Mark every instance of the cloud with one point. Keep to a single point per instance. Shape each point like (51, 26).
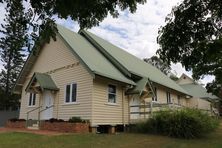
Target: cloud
(135, 33)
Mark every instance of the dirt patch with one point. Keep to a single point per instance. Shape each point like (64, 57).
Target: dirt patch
(39, 132)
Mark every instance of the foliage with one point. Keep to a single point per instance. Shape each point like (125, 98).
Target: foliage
(185, 123)
(55, 120)
(192, 36)
(77, 120)
(16, 119)
(173, 77)
(87, 13)
(12, 42)
(158, 63)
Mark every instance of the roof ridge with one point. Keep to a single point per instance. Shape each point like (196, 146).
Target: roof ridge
(139, 69)
(108, 56)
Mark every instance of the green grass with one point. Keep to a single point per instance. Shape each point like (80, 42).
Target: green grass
(23, 140)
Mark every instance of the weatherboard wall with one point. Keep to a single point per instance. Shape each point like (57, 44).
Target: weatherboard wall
(199, 103)
(58, 61)
(162, 97)
(105, 113)
(184, 79)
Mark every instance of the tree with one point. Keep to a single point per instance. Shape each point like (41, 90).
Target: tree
(193, 36)
(158, 63)
(87, 13)
(173, 77)
(14, 34)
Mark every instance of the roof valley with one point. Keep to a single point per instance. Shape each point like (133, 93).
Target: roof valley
(109, 57)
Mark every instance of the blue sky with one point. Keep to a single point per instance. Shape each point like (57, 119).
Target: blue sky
(135, 33)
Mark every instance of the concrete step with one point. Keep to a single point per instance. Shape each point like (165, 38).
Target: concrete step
(33, 127)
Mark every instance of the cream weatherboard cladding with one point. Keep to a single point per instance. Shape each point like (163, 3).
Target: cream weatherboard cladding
(109, 113)
(74, 59)
(57, 60)
(184, 79)
(162, 98)
(200, 98)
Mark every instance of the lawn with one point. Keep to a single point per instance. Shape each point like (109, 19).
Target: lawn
(23, 140)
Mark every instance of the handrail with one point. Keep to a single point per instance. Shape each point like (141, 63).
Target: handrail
(27, 118)
(46, 108)
(33, 109)
(155, 104)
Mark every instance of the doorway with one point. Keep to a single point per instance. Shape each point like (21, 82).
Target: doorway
(47, 101)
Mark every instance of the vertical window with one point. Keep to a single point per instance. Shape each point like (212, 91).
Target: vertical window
(168, 97)
(70, 93)
(178, 99)
(73, 92)
(111, 94)
(155, 98)
(32, 99)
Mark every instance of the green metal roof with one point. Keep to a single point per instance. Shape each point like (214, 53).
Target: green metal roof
(137, 66)
(45, 81)
(103, 58)
(91, 57)
(197, 90)
(140, 85)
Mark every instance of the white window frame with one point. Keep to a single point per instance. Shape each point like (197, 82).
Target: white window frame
(32, 100)
(154, 99)
(112, 94)
(70, 95)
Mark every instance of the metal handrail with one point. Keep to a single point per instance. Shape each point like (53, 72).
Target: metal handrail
(33, 109)
(46, 108)
(27, 118)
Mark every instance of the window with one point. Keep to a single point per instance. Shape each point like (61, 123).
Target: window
(168, 97)
(111, 94)
(178, 98)
(70, 93)
(154, 98)
(32, 99)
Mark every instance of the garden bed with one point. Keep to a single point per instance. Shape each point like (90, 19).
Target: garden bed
(18, 123)
(73, 125)
(65, 127)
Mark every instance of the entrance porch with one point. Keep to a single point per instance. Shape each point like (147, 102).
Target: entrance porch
(43, 86)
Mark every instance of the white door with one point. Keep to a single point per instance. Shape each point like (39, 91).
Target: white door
(47, 105)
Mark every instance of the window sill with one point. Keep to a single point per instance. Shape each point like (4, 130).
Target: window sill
(112, 104)
(155, 101)
(32, 106)
(73, 103)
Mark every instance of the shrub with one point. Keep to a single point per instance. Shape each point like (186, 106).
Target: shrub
(16, 119)
(77, 120)
(55, 120)
(185, 123)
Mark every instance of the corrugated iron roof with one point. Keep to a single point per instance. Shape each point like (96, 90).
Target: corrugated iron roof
(105, 59)
(137, 66)
(44, 80)
(197, 90)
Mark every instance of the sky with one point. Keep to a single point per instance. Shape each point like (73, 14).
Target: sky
(136, 33)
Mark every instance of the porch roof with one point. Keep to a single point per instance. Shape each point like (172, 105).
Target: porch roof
(44, 80)
(140, 85)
